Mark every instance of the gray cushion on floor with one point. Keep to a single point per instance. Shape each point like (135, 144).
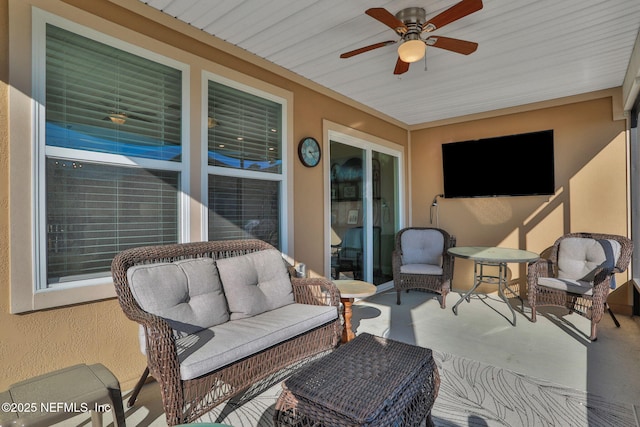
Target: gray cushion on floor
(220, 345)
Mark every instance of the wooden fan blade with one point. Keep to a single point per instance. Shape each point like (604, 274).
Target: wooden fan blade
(366, 49)
(401, 67)
(455, 12)
(387, 18)
(454, 45)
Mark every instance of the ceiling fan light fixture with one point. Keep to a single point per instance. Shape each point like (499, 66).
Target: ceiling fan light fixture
(412, 50)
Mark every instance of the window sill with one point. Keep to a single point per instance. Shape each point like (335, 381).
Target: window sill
(60, 297)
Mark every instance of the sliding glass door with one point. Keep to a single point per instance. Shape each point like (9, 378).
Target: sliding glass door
(364, 211)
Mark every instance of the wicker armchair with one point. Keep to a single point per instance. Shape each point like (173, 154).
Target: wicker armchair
(421, 261)
(187, 400)
(578, 274)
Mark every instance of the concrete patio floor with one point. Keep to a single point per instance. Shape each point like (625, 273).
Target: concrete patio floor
(555, 348)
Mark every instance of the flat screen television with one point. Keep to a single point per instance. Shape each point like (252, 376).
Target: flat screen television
(514, 165)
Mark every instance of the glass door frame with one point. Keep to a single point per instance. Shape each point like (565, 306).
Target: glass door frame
(368, 144)
(634, 151)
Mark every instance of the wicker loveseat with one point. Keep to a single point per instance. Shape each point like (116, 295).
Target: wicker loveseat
(219, 316)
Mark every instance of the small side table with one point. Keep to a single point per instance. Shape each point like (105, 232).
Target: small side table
(350, 289)
(56, 396)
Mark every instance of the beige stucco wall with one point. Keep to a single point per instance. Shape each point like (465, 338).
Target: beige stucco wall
(590, 174)
(591, 178)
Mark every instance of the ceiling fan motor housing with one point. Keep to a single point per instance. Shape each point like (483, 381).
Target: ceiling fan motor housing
(413, 15)
(413, 18)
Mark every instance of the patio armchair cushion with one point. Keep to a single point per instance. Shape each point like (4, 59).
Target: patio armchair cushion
(574, 286)
(429, 269)
(255, 283)
(220, 345)
(187, 293)
(422, 247)
(578, 258)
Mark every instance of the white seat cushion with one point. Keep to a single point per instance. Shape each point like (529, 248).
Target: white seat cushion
(220, 345)
(429, 269)
(567, 285)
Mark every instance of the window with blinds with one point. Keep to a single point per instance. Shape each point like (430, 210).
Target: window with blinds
(100, 99)
(244, 136)
(245, 130)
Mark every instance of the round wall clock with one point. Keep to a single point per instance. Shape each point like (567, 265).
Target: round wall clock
(309, 152)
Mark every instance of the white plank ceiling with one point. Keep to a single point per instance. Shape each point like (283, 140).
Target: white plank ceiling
(529, 50)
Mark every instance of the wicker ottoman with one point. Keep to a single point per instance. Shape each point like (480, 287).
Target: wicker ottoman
(370, 381)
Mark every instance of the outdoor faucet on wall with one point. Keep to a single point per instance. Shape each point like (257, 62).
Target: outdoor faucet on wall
(434, 207)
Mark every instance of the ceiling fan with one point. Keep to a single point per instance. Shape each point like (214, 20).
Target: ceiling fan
(411, 23)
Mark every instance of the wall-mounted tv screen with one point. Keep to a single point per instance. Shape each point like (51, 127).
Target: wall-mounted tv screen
(514, 165)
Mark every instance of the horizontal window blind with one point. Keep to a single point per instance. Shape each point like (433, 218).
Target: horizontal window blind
(100, 98)
(245, 130)
(95, 211)
(241, 208)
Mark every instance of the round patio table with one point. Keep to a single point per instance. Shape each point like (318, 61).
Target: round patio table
(483, 256)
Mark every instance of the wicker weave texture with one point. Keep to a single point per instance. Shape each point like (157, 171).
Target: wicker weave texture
(590, 306)
(370, 381)
(438, 284)
(185, 401)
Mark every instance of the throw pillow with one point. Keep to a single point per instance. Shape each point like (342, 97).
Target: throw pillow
(255, 283)
(187, 293)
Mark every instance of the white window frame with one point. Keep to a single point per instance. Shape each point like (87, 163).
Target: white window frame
(282, 177)
(40, 296)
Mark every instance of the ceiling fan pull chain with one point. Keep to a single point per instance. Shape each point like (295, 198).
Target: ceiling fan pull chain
(425, 62)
